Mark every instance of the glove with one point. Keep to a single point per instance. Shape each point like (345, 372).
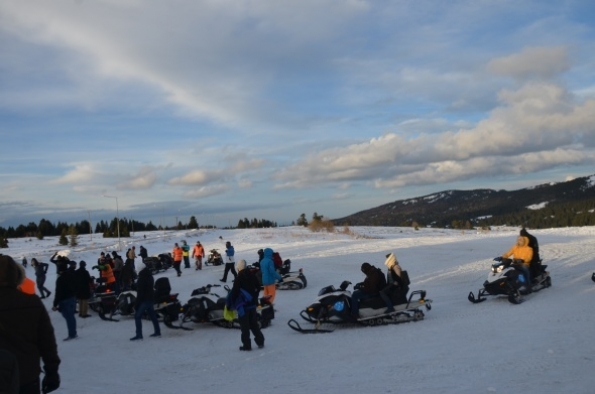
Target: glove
(50, 382)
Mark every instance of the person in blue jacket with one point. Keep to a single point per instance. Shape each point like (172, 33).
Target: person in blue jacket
(269, 274)
(229, 262)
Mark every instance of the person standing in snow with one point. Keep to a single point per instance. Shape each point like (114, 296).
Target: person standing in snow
(229, 262)
(83, 289)
(145, 298)
(65, 299)
(26, 331)
(131, 253)
(143, 252)
(246, 282)
(177, 255)
(198, 252)
(269, 274)
(41, 270)
(186, 254)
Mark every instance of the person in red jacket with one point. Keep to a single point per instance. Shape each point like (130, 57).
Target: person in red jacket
(177, 255)
(198, 252)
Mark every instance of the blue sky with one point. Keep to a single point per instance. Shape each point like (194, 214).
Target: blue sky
(264, 109)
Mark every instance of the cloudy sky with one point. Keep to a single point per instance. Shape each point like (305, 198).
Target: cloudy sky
(226, 109)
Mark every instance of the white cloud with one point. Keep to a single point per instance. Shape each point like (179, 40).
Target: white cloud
(535, 62)
(206, 191)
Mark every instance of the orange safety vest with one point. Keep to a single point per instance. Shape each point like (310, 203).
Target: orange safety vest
(177, 254)
(108, 274)
(198, 251)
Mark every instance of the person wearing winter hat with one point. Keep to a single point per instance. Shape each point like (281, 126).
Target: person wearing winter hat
(370, 287)
(269, 275)
(247, 282)
(26, 331)
(395, 283)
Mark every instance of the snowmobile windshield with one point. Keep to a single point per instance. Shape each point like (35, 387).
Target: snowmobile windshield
(327, 290)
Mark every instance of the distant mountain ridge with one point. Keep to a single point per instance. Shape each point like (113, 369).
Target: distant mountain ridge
(570, 203)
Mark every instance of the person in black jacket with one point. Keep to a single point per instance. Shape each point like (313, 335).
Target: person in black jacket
(41, 270)
(65, 298)
(26, 331)
(370, 287)
(83, 289)
(245, 280)
(145, 298)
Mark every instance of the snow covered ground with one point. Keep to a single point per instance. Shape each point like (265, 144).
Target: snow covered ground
(544, 345)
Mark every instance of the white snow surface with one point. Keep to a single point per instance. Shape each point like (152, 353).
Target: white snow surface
(544, 345)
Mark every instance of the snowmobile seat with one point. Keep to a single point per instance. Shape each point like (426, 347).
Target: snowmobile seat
(162, 289)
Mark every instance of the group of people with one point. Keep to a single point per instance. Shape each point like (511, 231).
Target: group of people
(182, 253)
(375, 284)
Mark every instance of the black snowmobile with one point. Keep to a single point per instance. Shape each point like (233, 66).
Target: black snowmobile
(214, 258)
(505, 279)
(160, 263)
(205, 306)
(332, 307)
(167, 305)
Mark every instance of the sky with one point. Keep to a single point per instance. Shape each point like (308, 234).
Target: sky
(541, 346)
(225, 110)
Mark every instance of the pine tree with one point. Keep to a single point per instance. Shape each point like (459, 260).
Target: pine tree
(73, 236)
(63, 240)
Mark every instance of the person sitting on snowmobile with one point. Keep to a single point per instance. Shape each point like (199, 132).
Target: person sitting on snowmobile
(395, 283)
(522, 251)
(533, 244)
(369, 288)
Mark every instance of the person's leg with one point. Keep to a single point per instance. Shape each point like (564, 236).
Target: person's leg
(226, 271)
(68, 309)
(233, 270)
(153, 317)
(269, 290)
(255, 328)
(245, 329)
(138, 315)
(385, 294)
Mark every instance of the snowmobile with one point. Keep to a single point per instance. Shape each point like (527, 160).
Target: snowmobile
(291, 280)
(593, 277)
(167, 305)
(332, 307)
(505, 279)
(155, 264)
(214, 258)
(103, 299)
(205, 306)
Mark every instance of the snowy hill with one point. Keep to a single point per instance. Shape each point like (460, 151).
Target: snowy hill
(543, 345)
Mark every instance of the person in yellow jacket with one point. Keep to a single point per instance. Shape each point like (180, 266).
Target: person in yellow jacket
(177, 255)
(522, 251)
(198, 252)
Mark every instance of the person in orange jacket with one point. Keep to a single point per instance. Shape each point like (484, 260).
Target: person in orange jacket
(177, 255)
(198, 253)
(522, 251)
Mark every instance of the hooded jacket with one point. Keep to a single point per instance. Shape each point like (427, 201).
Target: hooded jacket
(374, 281)
(521, 251)
(267, 267)
(25, 327)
